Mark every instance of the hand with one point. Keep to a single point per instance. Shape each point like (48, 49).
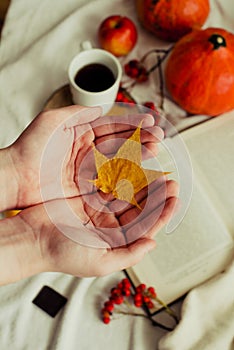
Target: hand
(39, 246)
(45, 142)
(43, 244)
(27, 151)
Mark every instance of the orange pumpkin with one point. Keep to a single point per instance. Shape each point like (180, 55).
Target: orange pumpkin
(199, 73)
(172, 19)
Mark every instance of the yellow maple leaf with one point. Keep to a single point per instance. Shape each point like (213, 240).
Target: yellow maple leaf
(123, 175)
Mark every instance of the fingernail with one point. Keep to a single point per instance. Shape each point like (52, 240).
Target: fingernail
(159, 133)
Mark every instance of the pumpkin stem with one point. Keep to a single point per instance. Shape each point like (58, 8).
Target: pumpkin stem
(217, 40)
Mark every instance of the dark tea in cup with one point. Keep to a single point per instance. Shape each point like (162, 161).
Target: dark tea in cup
(94, 77)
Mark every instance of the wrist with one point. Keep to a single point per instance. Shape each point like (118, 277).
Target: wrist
(8, 181)
(20, 251)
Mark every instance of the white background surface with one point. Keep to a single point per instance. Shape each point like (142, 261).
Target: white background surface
(38, 41)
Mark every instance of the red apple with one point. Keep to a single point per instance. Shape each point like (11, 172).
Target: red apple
(117, 34)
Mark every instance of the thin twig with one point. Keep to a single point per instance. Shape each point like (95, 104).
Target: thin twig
(161, 84)
(157, 64)
(154, 323)
(168, 309)
(165, 51)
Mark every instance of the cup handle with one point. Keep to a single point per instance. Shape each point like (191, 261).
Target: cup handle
(86, 45)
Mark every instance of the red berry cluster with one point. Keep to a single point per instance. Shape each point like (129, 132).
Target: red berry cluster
(123, 96)
(136, 70)
(144, 295)
(116, 297)
(119, 294)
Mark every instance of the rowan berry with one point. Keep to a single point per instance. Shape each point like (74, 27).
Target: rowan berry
(136, 70)
(122, 97)
(106, 320)
(137, 296)
(146, 299)
(141, 288)
(120, 285)
(119, 97)
(151, 289)
(138, 303)
(126, 283)
(118, 300)
(109, 306)
(126, 292)
(151, 292)
(150, 105)
(150, 304)
(132, 68)
(143, 76)
(115, 291)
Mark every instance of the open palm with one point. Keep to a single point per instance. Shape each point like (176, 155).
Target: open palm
(48, 155)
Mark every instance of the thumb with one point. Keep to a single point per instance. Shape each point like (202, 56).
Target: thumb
(122, 258)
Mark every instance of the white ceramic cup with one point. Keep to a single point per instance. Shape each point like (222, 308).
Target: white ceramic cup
(89, 55)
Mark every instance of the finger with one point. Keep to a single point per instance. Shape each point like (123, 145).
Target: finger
(154, 199)
(87, 224)
(85, 170)
(115, 124)
(122, 258)
(105, 223)
(149, 199)
(152, 134)
(151, 224)
(171, 207)
(79, 115)
(136, 222)
(109, 144)
(75, 155)
(98, 213)
(82, 149)
(116, 207)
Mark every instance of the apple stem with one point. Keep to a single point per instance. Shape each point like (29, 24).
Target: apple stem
(118, 25)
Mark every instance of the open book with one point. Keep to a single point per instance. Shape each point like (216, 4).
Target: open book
(202, 244)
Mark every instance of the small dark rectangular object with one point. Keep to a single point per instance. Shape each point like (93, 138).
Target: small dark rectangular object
(49, 301)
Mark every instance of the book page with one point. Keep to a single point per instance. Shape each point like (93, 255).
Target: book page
(200, 247)
(211, 147)
(202, 244)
